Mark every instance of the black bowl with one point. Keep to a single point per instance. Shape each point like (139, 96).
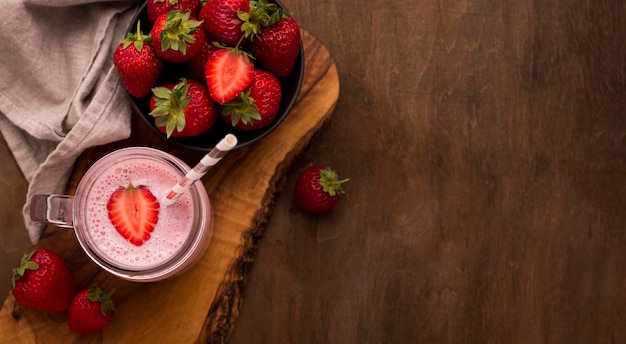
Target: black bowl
(205, 142)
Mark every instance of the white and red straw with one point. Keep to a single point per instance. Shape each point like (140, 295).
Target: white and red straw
(213, 157)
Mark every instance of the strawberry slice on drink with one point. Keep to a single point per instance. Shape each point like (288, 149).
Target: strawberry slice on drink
(228, 72)
(134, 211)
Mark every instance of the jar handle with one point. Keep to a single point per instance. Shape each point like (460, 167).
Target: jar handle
(52, 209)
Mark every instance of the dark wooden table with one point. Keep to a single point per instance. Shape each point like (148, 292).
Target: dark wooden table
(486, 146)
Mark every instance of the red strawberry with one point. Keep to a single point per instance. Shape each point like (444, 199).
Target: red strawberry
(228, 72)
(137, 63)
(134, 211)
(256, 107)
(221, 21)
(317, 189)
(91, 310)
(183, 109)
(158, 7)
(277, 47)
(43, 282)
(177, 36)
(195, 66)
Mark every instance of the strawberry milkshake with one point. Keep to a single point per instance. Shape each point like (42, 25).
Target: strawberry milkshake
(121, 224)
(161, 237)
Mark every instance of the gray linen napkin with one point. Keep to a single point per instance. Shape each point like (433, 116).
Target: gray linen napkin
(59, 92)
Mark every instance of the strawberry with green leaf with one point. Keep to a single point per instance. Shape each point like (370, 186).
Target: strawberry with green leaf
(137, 63)
(43, 281)
(133, 211)
(318, 189)
(278, 44)
(228, 72)
(177, 36)
(256, 107)
(183, 109)
(91, 310)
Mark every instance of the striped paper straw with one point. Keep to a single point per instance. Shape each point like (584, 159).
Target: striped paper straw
(208, 161)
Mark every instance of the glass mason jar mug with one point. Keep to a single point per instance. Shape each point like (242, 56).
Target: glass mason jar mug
(179, 238)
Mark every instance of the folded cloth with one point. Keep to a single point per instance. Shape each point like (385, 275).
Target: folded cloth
(60, 93)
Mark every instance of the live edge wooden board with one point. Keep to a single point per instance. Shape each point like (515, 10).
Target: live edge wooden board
(202, 304)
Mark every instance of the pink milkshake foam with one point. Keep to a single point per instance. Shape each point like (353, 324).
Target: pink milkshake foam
(171, 231)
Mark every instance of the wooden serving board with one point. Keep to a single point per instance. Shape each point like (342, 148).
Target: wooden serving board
(202, 304)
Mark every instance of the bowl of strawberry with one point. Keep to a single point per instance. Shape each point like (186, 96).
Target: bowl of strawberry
(196, 71)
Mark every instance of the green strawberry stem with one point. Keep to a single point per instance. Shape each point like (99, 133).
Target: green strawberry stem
(25, 264)
(242, 108)
(329, 180)
(178, 31)
(97, 294)
(170, 106)
(273, 12)
(262, 13)
(252, 21)
(136, 39)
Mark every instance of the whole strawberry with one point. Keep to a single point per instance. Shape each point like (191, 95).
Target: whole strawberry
(159, 7)
(91, 310)
(317, 189)
(257, 107)
(177, 36)
(277, 46)
(184, 109)
(43, 282)
(196, 66)
(137, 63)
(221, 20)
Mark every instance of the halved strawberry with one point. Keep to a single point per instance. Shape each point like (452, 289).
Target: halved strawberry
(228, 72)
(134, 211)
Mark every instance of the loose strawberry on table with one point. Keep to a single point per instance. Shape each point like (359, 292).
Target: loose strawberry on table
(228, 72)
(318, 189)
(137, 63)
(43, 281)
(177, 36)
(256, 107)
(90, 311)
(183, 109)
(157, 7)
(133, 211)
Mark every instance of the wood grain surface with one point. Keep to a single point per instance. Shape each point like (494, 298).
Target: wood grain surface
(203, 303)
(486, 145)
